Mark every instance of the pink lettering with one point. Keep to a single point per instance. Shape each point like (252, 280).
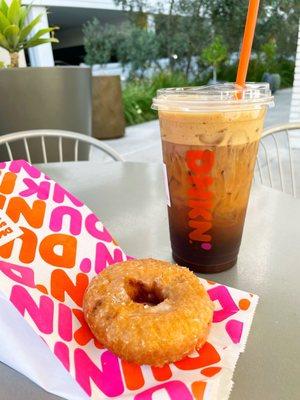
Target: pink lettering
(56, 220)
(61, 351)
(223, 296)
(175, 389)
(19, 274)
(90, 224)
(65, 322)
(104, 258)
(85, 370)
(17, 165)
(41, 190)
(41, 315)
(60, 193)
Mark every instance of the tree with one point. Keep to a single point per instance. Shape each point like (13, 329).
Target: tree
(138, 47)
(15, 32)
(215, 54)
(184, 27)
(278, 19)
(133, 45)
(227, 18)
(137, 10)
(99, 42)
(180, 24)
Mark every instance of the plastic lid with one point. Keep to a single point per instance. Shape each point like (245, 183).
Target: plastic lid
(225, 96)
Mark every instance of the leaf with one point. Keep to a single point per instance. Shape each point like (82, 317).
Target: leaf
(12, 36)
(4, 22)
(13, 13)
(23, 14)
(4, 7)
(33, 43)
(28, 28)
(43, 32)
(3, 42)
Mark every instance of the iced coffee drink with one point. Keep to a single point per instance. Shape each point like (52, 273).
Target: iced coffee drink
(210, 142)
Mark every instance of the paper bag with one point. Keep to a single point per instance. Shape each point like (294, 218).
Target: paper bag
(44, 273)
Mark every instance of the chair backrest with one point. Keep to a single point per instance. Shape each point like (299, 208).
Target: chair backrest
(43, 134)
(278, 160)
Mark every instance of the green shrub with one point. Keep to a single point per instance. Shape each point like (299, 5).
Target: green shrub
(256, 71)
(168, 79)
(137, 98)
(257, 68)
(138, 95)
(227, 72)
(286, 69)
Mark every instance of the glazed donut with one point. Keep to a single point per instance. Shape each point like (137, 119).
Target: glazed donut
(148, 311)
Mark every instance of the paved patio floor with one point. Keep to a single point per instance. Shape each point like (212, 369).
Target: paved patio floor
(142, 142)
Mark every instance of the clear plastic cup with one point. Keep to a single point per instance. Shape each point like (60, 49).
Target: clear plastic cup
(210, 137)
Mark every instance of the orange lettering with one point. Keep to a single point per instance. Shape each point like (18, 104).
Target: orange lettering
(8, 183)
(28, 247)
(198, 389)
(82, 335)
(208, 355)
(34, 216)
(5, 232)
(200, 209)
(61, 284)
(201, 228)
(2, 201)
(199, 161)
(199, 194)
(133, 375)
(200, 199)
(67, 245)
(162, 373)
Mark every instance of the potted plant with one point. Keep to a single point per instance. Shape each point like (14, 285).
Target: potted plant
(213, 55)
(39, 98)
(268, 54)
(15, 31)
(108, 119)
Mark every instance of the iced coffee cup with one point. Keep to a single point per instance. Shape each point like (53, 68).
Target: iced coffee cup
(210, 138)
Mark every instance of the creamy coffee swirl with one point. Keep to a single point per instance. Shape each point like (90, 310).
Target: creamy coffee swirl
(212, 129)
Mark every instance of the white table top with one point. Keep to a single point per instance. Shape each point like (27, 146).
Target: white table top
(129, 198)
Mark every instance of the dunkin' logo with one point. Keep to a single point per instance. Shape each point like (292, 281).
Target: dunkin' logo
(200, 163)
(8, 230)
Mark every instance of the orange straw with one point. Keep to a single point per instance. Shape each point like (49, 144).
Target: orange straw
(247, 42)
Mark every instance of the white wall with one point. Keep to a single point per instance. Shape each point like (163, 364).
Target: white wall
(295, 105)
(102, 4)
(40, 56)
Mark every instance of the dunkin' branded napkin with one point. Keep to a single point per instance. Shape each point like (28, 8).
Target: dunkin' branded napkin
(51, 246)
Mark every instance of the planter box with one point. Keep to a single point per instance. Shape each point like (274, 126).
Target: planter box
(108, 114)
(46, 98)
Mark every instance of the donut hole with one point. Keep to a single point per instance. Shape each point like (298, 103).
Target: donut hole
(139, 292)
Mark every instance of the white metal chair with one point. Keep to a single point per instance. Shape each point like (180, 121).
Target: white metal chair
(43, 134)
(278, 160)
